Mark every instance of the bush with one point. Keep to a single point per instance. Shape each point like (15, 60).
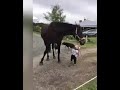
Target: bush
(37, 28)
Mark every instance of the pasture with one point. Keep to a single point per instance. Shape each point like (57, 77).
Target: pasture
(63, 76)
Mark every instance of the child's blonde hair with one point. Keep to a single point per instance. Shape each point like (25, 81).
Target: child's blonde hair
(77, 46)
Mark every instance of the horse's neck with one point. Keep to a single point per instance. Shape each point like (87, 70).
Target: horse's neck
(68, 33)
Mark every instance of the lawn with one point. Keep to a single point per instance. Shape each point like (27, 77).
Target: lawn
(90, 86)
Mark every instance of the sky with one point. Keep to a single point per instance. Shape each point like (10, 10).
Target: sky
(74, 10)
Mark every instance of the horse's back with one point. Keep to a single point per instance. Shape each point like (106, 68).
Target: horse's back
(60, 26)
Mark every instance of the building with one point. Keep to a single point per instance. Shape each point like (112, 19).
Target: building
(87, 24)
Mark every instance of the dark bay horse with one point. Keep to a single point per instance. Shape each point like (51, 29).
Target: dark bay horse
(55, 32)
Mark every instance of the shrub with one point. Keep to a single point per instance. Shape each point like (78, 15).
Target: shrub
(37, 28)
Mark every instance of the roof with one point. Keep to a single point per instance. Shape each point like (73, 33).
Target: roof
(88, 23)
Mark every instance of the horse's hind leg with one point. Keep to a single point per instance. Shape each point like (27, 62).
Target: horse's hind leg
(45, 52)
(58, 53)
(47, 57)
(41, 62)
(49, 50)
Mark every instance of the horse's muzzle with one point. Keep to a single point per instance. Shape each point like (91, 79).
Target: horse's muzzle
(82, 41)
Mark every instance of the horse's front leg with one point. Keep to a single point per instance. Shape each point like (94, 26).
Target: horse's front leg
(53, 51)
(58, 53)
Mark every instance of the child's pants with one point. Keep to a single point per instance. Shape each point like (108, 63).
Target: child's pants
(73, 58)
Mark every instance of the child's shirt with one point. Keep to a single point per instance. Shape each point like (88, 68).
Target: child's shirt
(75, 52)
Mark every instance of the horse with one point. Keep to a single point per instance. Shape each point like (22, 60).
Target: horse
(55, 33)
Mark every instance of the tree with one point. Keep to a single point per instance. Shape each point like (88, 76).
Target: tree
(55, 15)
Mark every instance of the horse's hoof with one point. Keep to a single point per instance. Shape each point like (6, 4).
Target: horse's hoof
(41, 63)
(59, 62)
(47, 59)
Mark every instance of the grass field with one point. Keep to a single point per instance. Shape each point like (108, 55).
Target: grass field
(90, 86)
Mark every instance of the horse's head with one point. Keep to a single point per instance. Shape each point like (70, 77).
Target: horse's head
(79, 34)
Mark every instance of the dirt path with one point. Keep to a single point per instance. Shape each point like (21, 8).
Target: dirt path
(64, 76)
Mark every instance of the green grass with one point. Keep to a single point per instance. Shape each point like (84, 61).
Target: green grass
(91, 43)
(90, 86)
